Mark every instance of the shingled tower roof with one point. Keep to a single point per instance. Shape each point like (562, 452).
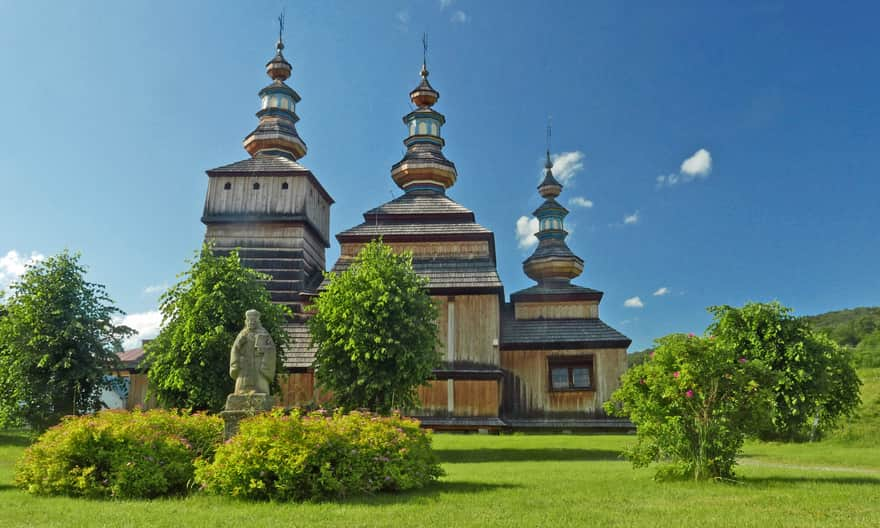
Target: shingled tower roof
(552, 263)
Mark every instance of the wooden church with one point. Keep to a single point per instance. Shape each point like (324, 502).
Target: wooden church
(542, 360)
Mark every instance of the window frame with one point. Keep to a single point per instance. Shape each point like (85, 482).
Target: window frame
(570, 363)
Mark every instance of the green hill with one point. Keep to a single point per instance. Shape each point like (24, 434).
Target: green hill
(856, 328)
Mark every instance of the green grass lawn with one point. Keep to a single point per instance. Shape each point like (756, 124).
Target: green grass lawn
(513, 480)
(552, 480)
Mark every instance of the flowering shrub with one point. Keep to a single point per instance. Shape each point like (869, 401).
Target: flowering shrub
(693, 402)
(315, 456)
(119, 454)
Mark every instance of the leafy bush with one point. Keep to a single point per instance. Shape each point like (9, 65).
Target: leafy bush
(314, 456)
(693, 402)
(119, 454)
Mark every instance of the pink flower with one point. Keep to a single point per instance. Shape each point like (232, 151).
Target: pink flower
(676, 374)
(642, 381)
(742, 360)
(689, 393)
(651, 354)
(692, 334)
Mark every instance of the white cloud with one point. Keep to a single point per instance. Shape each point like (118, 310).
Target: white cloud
(631, 219)
(699, 165)
(661, 291)
(525, 232)
(580, 201)
(460, 17)
(13, 265)
(155, 288)
(445, 3)
(695, 167)
(566, 165)
(147, 325)
(634, 302)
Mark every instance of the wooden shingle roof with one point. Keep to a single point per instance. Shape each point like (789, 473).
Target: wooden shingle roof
(261, 163)
(557, 334)
(300, 352)
(450, 274)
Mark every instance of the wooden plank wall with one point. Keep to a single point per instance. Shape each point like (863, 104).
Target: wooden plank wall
(527, 387)
(300, 197)
(474, 398)
(137, 393)
(460, 249)
(557, 310)
(477, 327)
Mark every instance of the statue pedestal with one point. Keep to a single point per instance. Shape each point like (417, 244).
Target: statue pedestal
(240, 406)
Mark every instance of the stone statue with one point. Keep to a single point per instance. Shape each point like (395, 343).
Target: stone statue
(252, 361)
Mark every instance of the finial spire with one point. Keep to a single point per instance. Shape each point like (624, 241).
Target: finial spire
(548, 164)
(280, 45)
(424, 72)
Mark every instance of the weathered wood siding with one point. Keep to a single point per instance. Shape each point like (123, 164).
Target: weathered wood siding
(473, 398)
(297, 389)
(477, 328)
(434, 399)
(476, 398)
(470, 248)
(300, 197)
(137, 393)
(271, 235)
(527, 391)
(557, 310)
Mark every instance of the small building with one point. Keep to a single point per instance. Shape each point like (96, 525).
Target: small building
(542, 360)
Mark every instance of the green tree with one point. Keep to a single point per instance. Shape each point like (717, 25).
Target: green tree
(189, 360)
(57, 342)
(693, 401)
(815, 382)
(868, 352)
(375, 329)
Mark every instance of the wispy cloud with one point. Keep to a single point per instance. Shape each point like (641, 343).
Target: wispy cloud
(566, 165)
(634, 302)
(631, 219)
(155, 288)
(695, 167)
(402, 18)
(459, 17)
(580, 201)
(525, 232)
(445, 3)
(13, 265)
(661, 291)
(147, 325)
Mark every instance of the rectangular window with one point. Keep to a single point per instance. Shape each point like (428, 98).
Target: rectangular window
(571, 373)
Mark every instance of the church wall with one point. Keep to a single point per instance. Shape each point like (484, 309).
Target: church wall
(270, 235)
(470, 398)
(301, 197)
(477, 321)
(557, 310)
(527, 391)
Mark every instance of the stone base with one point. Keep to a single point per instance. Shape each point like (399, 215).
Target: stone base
(240, 406)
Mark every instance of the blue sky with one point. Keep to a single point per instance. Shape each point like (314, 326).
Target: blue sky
(728, 149)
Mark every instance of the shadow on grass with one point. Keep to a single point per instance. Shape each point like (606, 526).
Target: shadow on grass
(851, 481)
(15, 438)
(430, 491)
(525, 455)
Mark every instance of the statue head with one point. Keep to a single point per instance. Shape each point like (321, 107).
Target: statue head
(252, 319)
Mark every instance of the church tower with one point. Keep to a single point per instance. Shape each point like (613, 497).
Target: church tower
(269, 206)
(457, 255)
(561, 361)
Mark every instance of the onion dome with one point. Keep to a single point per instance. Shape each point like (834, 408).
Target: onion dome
(276, 133)
(552, 262)
(424, 167)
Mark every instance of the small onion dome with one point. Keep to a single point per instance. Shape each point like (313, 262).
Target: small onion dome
(549, 186)
(424, 95)
(278, 68)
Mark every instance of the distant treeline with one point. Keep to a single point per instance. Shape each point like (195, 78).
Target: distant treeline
(857, 329)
